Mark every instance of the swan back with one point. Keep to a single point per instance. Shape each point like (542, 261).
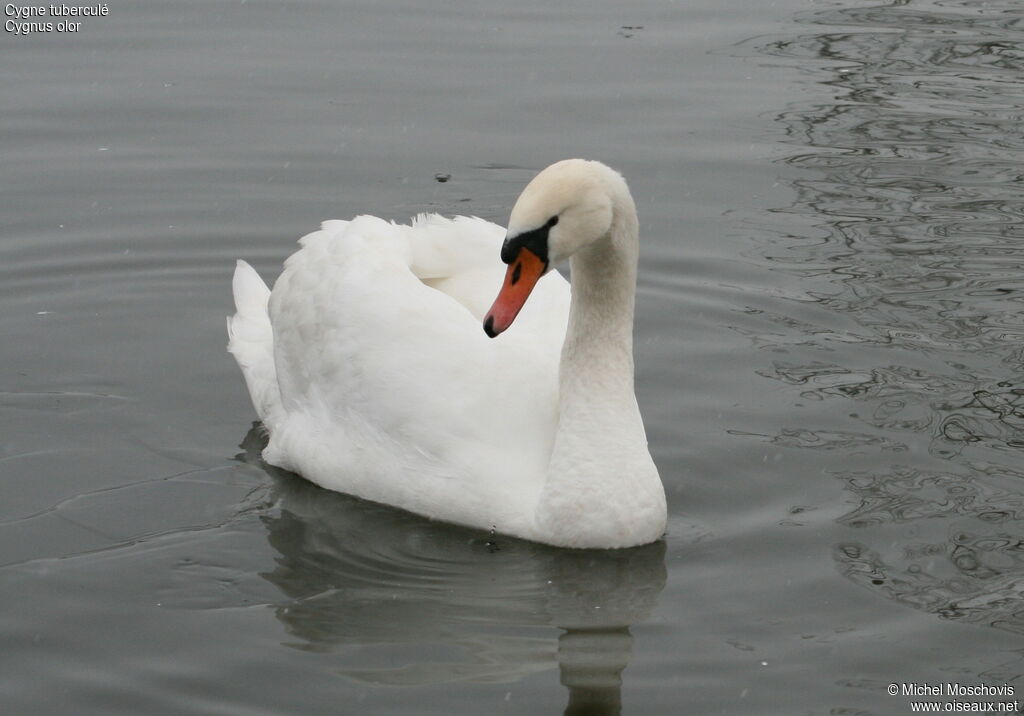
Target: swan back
(390, 391)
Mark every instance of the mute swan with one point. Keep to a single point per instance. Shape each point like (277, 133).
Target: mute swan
(368, 367)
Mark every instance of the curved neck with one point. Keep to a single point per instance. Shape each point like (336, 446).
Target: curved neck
(602, 488)
(597, 356)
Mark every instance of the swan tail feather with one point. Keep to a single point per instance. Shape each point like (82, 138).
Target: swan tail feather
(251, 341)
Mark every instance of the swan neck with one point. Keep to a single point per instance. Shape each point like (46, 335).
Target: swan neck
(602, 487)
(599, 336)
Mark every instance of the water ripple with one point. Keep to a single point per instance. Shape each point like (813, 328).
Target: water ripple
(906, 168)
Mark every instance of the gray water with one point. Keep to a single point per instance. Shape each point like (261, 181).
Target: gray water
(829, 356)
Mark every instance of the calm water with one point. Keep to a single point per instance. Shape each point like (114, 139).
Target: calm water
(830, 334)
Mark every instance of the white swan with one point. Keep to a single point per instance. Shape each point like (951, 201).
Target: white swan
(369, 369)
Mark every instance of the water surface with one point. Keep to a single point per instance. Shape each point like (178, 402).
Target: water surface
(829, 356)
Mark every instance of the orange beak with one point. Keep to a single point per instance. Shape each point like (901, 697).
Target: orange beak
(523, 273)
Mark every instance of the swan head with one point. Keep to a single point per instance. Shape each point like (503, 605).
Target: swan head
(563, 209)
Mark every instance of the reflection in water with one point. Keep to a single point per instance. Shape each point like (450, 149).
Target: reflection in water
(360, 578)
(910, 177)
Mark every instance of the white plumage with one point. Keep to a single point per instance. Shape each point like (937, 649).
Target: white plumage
(369, 368)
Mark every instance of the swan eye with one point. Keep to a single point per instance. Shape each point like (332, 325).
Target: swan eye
(536, 240)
